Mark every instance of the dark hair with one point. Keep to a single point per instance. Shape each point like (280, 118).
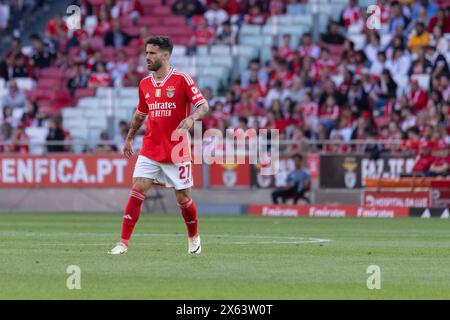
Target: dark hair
(297, 156)
(163, 42)
(35, 36)
(420, 23)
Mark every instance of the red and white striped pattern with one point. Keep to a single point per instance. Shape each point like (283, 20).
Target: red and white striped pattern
(161, 83)
(137, 194)
(186, 204)
(141, 113)
(200, 102)
(186, 77)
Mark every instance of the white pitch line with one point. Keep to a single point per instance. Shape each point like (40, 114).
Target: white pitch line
(294, 241)
(211, 238)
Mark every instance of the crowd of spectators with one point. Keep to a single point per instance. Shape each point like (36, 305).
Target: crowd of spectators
(325, 88)
(380, 97)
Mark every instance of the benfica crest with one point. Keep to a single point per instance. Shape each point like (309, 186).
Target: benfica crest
(170, 92)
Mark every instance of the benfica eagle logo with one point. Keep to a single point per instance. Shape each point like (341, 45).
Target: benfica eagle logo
(170, 92)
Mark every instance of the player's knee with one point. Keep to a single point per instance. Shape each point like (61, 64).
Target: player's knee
(183, 195)
(141, 186)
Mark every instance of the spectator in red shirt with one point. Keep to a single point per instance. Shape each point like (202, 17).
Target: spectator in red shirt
(246, 107)
(423, 160)
(203, 35)
(441, 163)
(308, 48)
(351, 18)
(323, 64)
(16, 49)
(417, 97)
(104, 23)
(256, 16)
(310, 111)
(20, 140)
(21, 67)
(230, 6)
(411, 144)
(132, 77)
(99, 78)
(56, 28)
(285, 51)
(440, 19)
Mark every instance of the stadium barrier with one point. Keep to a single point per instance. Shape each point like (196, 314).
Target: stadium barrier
(351, 171)
(70, 171)
(342, 211)
(56, 170)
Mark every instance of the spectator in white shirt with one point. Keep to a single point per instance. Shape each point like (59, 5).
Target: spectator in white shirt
(373, 47)
(4, 15)
(399, 64)
(439, 41)
(378, 65)
(216, 16)
(274, 93)
(409, 119)
(15, 98)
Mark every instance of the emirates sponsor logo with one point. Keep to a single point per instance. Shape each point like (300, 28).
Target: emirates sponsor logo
(326, 212)
(162, 105)
(375, 213)
(267, 211)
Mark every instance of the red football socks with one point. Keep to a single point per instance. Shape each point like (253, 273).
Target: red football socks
(189, 213)
(131, 215)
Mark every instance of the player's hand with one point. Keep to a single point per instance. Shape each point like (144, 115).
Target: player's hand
(186, 124)
(128, 148)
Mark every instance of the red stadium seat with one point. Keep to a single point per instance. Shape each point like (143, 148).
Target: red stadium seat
(159, 30)
(84, 92)
(175, 21)
(96, 2)
(148, 3)
(160, 11)
(181, 40)
(180, 31)
(49, 83)
(63, 97)
(97, 43)
(132, 31)
(132, 51)
(108, 53)
(52, 72)
(150, 21)
(46, 107)
(443, 3)
(126, 22)
(39, 94)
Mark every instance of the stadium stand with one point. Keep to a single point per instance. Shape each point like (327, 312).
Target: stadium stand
(270, 62)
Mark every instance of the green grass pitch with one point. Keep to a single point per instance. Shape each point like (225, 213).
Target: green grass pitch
(243, 258)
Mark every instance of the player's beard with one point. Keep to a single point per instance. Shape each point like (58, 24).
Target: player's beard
(155, 66)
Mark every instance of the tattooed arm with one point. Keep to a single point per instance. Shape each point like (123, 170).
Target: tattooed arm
(197, 115)
(136, 123)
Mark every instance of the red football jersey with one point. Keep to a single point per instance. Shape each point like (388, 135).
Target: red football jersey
(166, 103)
